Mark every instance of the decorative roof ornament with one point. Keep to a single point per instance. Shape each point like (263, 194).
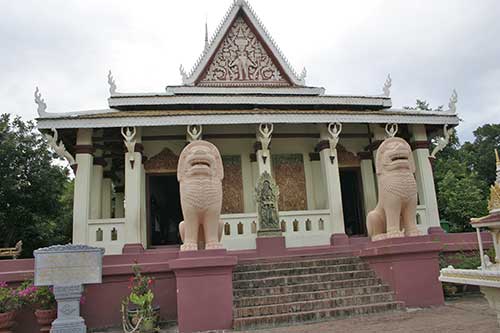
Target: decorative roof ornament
(387, 86)
(494, 201)
(391, 129)
(442, 142)
(302, 76)
(183, 74)
(241, 8)
(59, 147)
(111, 83)
(452, 105)
(42, 106)
(206, 35)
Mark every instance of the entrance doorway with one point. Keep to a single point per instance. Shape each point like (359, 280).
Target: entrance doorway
(352, 202)
(164, 210)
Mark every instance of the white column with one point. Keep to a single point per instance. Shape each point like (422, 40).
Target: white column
(424, 175)
(96, 189)
(133, 195)
(331, 177)
(83, 174)
(368, 179)
(263, 161)
(106, 198)
(248, 184)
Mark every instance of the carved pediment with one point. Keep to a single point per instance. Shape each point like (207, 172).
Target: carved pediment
(347, 158)
(242, 60)
(164, 162)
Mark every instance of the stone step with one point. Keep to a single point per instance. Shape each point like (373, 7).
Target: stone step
(306, 287)
(262, 274)
(317, 315)
(309, 296)
(301, 279)
(315, 305)
(296, 263)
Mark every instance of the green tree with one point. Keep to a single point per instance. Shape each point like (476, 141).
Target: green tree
(33, 190)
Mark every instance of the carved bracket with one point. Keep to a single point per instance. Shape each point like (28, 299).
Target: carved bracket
(59, 147)
(391, 129)
(334, 130)
(194, 132)
(442, 142)
(128, 134)
(264, 137)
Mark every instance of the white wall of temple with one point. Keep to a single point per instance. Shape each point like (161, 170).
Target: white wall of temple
(314, 227)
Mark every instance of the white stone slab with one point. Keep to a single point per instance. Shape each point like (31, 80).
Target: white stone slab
(66, 265)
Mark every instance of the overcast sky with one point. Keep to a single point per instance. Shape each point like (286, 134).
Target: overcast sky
(429, 47)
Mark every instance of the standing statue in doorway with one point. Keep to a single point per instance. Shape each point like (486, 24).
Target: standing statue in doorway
(395, 214)
(266, 196)
(200, 173)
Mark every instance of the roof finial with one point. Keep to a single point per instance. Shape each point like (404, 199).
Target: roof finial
(42, 106)
(112, 84)
(387, 86)
(206, 33)
(453, 102)
(183, 74)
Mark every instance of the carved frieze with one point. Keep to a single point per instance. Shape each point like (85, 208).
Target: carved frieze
(163, 162)
(242, 60)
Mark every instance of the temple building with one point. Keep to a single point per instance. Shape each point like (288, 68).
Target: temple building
(243, 96)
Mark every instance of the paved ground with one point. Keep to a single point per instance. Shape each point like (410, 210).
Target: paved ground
(467, 314)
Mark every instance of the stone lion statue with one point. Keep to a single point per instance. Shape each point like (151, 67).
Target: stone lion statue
(200, 175)
(395, 214)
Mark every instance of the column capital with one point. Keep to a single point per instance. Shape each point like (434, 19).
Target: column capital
(84, 149)
(419, 144)
(365, 155)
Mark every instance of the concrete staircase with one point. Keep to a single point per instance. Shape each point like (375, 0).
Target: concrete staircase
(268, 294)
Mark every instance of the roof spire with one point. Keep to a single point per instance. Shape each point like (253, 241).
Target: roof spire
(206, 33)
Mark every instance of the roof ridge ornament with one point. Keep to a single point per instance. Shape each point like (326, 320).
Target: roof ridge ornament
(302, 76)
(42, 106)
(111, 83)
(387, 86)
(452, 105)
(183, 73)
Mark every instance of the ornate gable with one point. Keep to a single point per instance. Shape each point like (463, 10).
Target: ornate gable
(242, 60)
(242, 53)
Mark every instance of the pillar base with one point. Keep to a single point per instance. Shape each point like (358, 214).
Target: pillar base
(271, 246)
(339, 240)
(410, 265)
(136, 248)
(204, 290)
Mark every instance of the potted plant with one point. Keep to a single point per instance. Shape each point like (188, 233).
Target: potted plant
(138, 312)
(42, 300)
(9, 303)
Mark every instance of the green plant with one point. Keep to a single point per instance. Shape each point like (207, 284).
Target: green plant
(9, 299)
(141, 315)
(41, 298)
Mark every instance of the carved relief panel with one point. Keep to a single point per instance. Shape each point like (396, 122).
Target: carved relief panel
(288, 170)
(163, 162)
(242, 60)
(232, 185)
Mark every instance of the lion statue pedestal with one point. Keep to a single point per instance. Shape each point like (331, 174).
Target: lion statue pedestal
(395, 214)
(200, 173)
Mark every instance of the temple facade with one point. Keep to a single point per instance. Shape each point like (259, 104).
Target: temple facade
(244, 97)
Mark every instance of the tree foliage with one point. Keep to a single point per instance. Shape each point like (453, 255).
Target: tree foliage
(35, 204)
